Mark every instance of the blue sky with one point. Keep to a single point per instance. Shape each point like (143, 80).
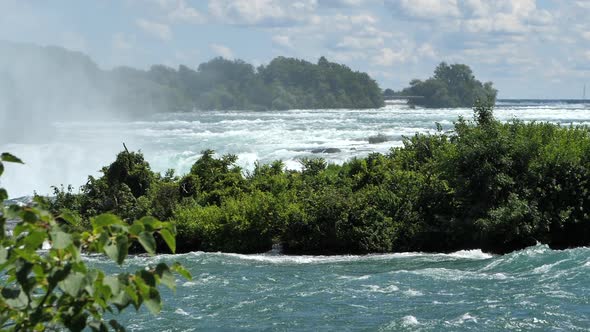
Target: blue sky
(528, 48)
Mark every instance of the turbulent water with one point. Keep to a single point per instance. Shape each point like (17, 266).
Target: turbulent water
(533, 289)
(75, 150)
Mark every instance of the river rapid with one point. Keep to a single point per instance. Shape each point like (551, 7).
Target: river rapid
(536, 289)
(66, 152)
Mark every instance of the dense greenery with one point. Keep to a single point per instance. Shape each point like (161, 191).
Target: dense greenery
(487, 184)
(451, 86)
(285, 83)
(53, 289)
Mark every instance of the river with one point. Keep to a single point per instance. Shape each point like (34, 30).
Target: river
(536, 289)
(533, 289)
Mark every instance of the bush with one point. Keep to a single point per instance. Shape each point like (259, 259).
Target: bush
(55, 289)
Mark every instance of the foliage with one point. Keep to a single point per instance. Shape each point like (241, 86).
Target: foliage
(54, 288)
(491, 185)
(451, 86)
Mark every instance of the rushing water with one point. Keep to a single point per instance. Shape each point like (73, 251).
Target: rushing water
(77, 149)
(533, 289)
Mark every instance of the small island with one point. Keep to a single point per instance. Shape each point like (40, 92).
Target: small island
(451, 86)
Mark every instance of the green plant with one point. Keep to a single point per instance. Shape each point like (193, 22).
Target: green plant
(54, 289)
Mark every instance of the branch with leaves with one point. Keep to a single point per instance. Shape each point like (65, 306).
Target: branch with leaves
(53, 289)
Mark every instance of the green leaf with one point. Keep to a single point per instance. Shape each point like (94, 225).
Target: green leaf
(77, 323)
(30, 216)
(35, 239)
(169, 239)
(136, 228)
(148, 242)
(176, 267)
(132, 293)
(3, 195)
(168, 280)
(28, 255)
(113, 283)
(7, 157)
(60, 240)
(73, 283)
(106, 219)
(15, 298)
(118, 249)
(149, 279)
(70, 217)
(116, 326)
(3, 255)
(1, 168)
(150, 223)
(153, 301)
(166, 276)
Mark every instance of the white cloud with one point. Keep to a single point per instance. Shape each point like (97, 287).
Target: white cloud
(282, 41)
(342, 3)
(222, 50)
(185, 13)
(426, 50)
(262, 12)
(388, 57)
(505, 16)
(362, 43)
(158, 30)
(121, 42)
(427, 9)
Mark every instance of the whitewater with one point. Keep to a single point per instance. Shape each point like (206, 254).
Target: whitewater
(536, 289)
(69, 151)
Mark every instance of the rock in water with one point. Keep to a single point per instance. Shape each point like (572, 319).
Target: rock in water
(326, 150)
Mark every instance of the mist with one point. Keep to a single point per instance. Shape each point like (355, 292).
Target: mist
(47, 94)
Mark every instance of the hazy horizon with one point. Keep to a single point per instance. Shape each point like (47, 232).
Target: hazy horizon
(529, 49)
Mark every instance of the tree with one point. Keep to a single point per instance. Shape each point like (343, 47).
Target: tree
(451, 86)
(55, 289)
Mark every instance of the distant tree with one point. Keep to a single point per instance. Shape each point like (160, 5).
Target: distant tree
(451, 86)
(388, 93)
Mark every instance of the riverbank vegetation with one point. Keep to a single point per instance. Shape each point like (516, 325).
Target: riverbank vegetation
(485, 184)
(451, 86)
(47, 285)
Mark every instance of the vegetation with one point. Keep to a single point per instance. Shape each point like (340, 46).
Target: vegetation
(451, 86)
(53, 289)
(487, 184)
(57, 77)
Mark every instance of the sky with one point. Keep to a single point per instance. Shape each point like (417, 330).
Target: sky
(528, 48)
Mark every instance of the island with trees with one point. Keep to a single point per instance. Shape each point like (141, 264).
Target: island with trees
(451, 86)
(487, 184)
